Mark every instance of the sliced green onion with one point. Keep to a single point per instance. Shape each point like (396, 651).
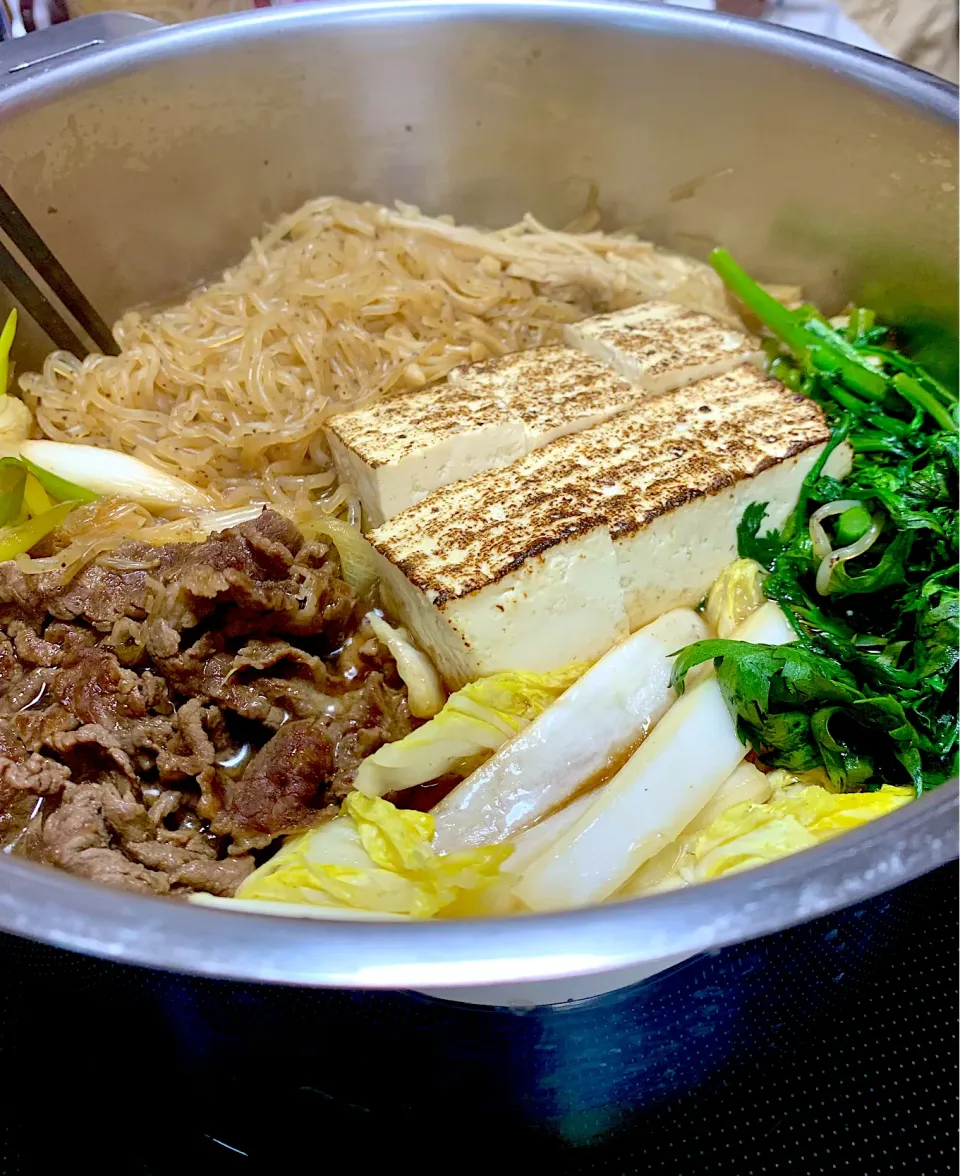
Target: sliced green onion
(59, 488)
(35, 498)
(105, 471)
(841, 555)
(852, 524)
(12, 478)
(6, 342)
(20, 539)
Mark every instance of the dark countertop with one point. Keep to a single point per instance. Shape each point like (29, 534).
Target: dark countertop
(869, 1088)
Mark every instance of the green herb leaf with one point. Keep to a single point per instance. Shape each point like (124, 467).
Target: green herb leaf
(750, 543)
(869, 691)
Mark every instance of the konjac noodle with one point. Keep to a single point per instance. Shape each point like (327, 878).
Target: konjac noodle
(335, 305)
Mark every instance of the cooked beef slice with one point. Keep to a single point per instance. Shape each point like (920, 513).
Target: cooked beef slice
(278, 791)
(175, 707)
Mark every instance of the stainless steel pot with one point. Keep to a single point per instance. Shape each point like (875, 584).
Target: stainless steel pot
(148, 164)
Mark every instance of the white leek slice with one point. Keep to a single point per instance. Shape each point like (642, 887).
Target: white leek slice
(590, 730)
(104, 471)
(745, 783)
(425, 693)
(191, 528)
(532, 842)
(663, 786)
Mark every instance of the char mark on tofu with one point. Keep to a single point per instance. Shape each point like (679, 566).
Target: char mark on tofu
(173, 709)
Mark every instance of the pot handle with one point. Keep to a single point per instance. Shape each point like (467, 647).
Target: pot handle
(44, 50)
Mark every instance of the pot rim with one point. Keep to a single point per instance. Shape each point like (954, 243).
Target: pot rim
(45, 904)
(99, 58)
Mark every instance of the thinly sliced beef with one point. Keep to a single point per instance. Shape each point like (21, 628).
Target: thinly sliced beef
(38, 728)
(284, 785)
(76, 838)
(31, 648)
(174, 707)
(97, 689)
(35, 773)
(102, 593)
(25, 689)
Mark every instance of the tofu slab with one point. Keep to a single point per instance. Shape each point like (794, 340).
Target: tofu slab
(678, 473)
(401, 448)
(553, 390)
(661, 346)
(501, 573)
(555, 558)
(488, 414)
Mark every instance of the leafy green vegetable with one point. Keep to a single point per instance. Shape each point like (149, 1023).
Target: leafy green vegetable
(869, 691)
(750, 543)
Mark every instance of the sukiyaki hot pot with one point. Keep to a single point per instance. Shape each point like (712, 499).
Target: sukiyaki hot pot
(515, 538)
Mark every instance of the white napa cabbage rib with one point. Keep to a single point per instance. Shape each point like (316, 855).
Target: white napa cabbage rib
(663, 786)
(590, 729)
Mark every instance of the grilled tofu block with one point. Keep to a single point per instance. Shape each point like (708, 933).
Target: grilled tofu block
(553, 390)
(402, 448)
(661, 346)
(500, 573)
(678, 472)
(556, 557)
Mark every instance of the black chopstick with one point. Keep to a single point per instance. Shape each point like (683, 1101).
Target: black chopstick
(25, 237)
(37, 305)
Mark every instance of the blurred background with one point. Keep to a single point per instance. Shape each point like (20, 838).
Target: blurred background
(923, 33)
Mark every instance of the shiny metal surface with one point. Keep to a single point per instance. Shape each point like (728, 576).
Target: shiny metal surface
(33, 55)
(149, 164)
